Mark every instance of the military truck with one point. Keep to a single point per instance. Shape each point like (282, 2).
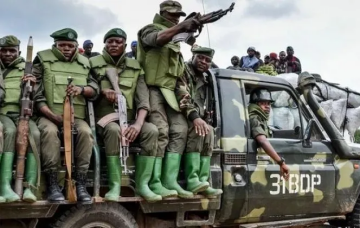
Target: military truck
(323, 185)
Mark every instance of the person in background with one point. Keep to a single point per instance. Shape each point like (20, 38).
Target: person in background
(294, 64)
(235, 61)
(250, 61)
(88, 46)
(258, 55)
(132, 53)
(281, 66)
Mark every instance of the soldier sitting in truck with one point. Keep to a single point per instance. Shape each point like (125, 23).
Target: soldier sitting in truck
(259, 110)
(191, 91)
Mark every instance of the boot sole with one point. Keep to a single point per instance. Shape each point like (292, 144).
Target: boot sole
(201, 189)
(29, 200)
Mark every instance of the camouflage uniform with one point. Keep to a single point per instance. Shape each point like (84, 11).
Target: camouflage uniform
(258, 121)
(198, 148)
(163, 65)
(9, 116)
(51, 70)
(133, 87)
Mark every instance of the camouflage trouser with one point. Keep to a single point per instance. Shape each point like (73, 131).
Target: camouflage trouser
(50, 145)
(9, 133)
(201, 144)
(147, 139)
(1, 138)
(172, 125)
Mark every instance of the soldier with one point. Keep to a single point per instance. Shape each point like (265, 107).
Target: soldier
(13, 65)
(51, 68)
(191, 94)
(163, 63)
(133, 87)
(259, 110)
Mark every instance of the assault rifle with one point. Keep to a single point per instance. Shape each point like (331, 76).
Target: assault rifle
(22, 136)
(189, 38)
(69, 133)
(119, 115)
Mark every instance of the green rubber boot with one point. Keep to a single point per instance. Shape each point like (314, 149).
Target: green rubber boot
(5, 178)
(31, 177)
(170, 175)
(2, 199)
(114, 178)
(155, 183)
(204, 176)
(144, 169)
(192, 170)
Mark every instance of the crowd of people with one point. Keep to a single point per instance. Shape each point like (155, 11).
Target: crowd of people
(271, 65)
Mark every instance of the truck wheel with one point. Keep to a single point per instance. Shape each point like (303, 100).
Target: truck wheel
(353, 218)
(104, 215)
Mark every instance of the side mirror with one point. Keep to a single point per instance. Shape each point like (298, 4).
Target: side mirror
(309, 129)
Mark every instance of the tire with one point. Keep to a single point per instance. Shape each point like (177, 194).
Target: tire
(353, 218)
(104, 215)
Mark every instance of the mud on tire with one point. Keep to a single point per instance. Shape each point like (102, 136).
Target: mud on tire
(104, 215)
(353, 218)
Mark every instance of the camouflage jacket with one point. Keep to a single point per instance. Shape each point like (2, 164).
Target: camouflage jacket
(194, 86)
(258, 122)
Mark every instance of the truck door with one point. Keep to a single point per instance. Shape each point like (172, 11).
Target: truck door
(310, 190)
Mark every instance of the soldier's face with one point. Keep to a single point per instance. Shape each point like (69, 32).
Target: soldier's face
(115, 46)
(202, 62)
(67, 48)
(9, 54)
(265, 106)
(173, 17)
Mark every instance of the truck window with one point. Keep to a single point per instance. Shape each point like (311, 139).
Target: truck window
(286, 119)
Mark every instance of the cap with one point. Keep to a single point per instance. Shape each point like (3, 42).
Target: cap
(172, 7)
(134, 43)
(87, 43)
(9, 41)
(266, 57)
(290, 48)
(251, 48)
(65, 34)
(204, 51)
(115, 32)
(260, 94)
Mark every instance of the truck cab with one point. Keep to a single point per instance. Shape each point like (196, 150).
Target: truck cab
(323, 184)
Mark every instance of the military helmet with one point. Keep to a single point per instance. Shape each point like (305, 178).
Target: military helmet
(260, 94)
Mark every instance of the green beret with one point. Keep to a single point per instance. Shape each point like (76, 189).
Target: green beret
(115, 32)
(9, 41)
(204, 51)
(66, 34)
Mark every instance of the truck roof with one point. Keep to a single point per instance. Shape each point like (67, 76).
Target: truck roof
(251, 76)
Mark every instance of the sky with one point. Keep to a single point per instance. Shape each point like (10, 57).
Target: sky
(324, 33)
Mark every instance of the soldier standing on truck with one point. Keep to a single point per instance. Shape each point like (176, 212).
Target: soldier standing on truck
(51, 68)
(191, 93)
(259, 110)
(133, 87)
(13, 65)
(163, 64)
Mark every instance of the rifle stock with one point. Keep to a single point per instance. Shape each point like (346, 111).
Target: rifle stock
(68, 131)
(22, 133)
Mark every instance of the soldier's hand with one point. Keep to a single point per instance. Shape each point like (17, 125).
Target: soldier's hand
(110, 95)
(191, 24)
(58, 120)
(29, 77)
(132, 132)
(73, 90)
(184, 101)
(201, 127)
(284, 171)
